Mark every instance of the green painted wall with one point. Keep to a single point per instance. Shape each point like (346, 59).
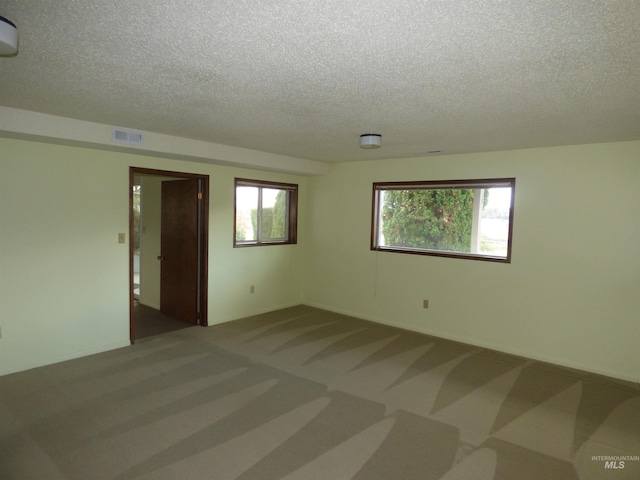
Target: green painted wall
(64, 278)
(571, 294)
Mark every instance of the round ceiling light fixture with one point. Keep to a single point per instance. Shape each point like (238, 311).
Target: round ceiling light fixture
(370, 140)
(8, 37)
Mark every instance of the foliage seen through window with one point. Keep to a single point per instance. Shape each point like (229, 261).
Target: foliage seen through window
(470, 218)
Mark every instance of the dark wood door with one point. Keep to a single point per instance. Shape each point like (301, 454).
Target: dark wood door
(180, 267)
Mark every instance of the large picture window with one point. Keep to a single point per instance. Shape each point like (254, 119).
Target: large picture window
(265, 213)
(458, 218)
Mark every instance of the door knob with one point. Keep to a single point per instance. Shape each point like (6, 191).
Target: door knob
(161, 257)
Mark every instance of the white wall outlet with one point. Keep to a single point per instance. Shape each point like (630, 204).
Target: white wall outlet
(121, 238)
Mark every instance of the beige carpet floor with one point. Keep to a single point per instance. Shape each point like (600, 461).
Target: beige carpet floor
(306, 394)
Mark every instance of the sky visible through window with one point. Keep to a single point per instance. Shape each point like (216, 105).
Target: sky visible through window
(494, 222)
(247, 197)
(499, 198)
(246, 201)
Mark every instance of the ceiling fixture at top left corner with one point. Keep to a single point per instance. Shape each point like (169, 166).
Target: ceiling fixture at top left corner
(8, 37)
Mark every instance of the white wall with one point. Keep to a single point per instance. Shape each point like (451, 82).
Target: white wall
(64, 278)
(571, 294)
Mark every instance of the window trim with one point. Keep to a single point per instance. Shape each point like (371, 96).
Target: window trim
(292, 210)
(442, 185)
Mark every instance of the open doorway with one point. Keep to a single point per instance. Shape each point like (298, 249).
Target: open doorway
(168, 250)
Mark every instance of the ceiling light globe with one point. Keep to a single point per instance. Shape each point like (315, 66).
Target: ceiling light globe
(370, 140)
(8, 37)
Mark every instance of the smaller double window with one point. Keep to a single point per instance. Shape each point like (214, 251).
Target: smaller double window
(265, 213)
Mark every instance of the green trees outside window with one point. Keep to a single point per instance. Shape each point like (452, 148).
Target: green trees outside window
(428, 219)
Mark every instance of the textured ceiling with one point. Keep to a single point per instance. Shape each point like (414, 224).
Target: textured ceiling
(306, 78)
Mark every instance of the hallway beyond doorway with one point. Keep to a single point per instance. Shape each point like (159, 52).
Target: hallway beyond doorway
(149, 322)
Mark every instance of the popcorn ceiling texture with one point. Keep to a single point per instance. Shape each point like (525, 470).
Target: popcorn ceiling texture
(305, 79)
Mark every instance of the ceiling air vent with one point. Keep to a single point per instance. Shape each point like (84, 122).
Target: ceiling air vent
(126, 136)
